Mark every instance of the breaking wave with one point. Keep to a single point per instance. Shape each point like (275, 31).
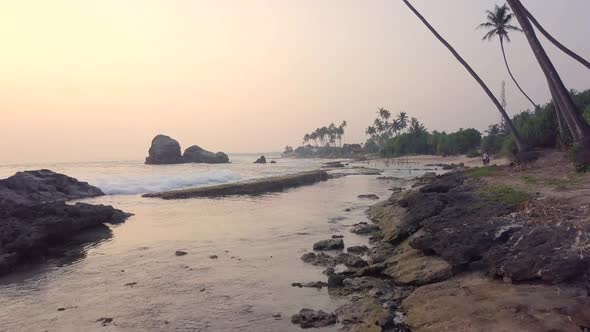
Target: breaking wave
(132, 185)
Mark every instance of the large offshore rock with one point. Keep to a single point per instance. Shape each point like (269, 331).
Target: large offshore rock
(164, 150)
(196, 154)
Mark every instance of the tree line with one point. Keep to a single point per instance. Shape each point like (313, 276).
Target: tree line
(326, 136)
(569, 117)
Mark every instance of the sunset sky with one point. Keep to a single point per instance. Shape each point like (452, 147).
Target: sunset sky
(96, 80)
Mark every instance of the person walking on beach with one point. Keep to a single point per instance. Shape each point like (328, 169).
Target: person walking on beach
(485, 158)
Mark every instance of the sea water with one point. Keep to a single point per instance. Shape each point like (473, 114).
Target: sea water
(243, 252)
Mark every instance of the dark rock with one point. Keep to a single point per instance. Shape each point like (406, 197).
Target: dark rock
(320, 259)
(30, 232)
(42, 186)
(348, 209)
(180, 253)
(297, 284)
(328, 271)
(105, 320)
(131, 284)
(213, 257)
(331, 244)
(314, 284)
(369, 196)
(308, 318)
(336, 280)
(550, 253)
(358, 250)
(196, 154)
(273, 162)
(337, 236)
(333, 164)
(164, 150)
(261, 160)
(351, 261)
(365, 228)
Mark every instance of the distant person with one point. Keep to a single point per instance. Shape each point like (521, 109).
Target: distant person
(485, 158)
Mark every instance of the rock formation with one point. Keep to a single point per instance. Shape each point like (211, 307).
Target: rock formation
(261, 160)
(196, 154)
(164, 150)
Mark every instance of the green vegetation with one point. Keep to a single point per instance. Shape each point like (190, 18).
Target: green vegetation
(504, 194)
(557, 183)
(326, 136)
(479, 172)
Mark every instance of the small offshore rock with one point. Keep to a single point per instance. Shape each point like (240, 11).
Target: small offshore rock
(328, 271)
(308, 318)
(180, 253)
(347, 209)
(337, 236)
(368, 196)
(261, 160)
(130, 284)
(332, 244)
(213, 257)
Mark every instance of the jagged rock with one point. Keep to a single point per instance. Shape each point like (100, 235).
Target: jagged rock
(308, 318)
(550, 253)
(261, 160)
(475, 303)
(365, 313)
(164, 150)
(364, 228)
(368, 196)
(357, 250)
(41, 186)
(196, 154)
(29, 231)
(331, 244)
(408, 266)
(320, 259)
(351, 261)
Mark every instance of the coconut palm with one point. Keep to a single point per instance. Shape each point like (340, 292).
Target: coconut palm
(555, 42)
(402, 119)
(498, 25)
(579, 128)
(518, 140)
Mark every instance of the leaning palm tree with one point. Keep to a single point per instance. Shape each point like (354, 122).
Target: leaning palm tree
(555, 42)
(498, 25)
(518, 140)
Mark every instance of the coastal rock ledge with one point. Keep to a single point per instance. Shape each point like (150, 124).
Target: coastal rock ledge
(34, 217)
(166, 150)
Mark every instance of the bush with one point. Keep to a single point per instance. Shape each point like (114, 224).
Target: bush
(473, 154)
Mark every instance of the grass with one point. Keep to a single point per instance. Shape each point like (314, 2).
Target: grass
(505, 194)
(556, 183)
(479, 172)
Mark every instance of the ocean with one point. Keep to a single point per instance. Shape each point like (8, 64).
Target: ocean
(243, 252)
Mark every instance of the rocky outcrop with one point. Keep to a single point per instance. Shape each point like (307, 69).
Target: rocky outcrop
(331, 244)
(308, 318)
(164, 150)
(34, 216)
(261, 160)
(252, 187)
(196, 154)
(36, 187)
(475, 303)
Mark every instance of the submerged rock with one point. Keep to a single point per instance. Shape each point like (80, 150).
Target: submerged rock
(331, 244)
(318, 259)
(368, 196)
(196, 154)
(365, 228)
(308, 318)
(164, 150)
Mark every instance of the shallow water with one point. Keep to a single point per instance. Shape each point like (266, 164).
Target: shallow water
(258, 241)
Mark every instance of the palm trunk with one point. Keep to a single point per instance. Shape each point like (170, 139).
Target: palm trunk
(564, 99)
(519, 142)
(566, 50)
(512, 76)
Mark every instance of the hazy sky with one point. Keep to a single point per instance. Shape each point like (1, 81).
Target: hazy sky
(96, 80)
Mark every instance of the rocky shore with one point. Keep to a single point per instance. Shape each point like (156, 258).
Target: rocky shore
(34, 216)
(459, 252)
(252, 187)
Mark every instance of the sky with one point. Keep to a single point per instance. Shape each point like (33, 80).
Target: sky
(85, 80)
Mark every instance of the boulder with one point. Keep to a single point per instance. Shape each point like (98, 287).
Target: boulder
(365, 228)
(41, 186)
(357, 250)
(331, 244)
(320, 259)
(261, 160)
(308, 318)
(196, 154)
(164, 150)
(351, 261)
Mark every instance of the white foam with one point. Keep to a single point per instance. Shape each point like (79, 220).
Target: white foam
(132, 185)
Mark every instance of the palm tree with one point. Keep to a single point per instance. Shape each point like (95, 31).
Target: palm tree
(371, 131)
(402, 118)
(554, 41)
(579, 128)
(498, 24)
(519, 142)
(306, 138)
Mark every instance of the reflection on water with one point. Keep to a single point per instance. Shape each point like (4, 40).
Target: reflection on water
(136, 279)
